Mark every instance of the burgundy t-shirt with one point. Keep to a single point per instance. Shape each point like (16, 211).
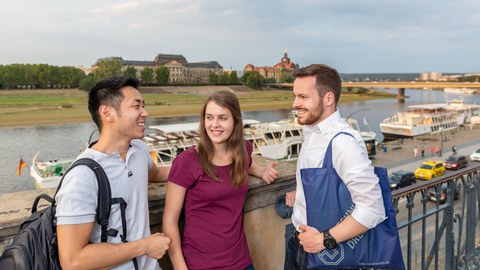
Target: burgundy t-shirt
(214, 236)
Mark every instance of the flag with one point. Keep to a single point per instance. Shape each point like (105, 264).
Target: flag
(21, 164)
(365, 121)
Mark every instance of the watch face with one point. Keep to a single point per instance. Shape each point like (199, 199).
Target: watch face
(329, 243)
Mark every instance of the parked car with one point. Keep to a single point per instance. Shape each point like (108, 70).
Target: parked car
(443, 193)
(475, 156)
(455, 162)
(429, 169)
(401, 179)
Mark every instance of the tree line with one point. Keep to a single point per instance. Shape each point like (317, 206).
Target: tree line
(36, 76)
(32, 76)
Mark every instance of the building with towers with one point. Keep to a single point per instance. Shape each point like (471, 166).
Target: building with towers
(285, 67)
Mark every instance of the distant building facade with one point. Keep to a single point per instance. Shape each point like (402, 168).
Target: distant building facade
(430, 76)
(285, 66)
(180, 71)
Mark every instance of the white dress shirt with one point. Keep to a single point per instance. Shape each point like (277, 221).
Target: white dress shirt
(350, 160)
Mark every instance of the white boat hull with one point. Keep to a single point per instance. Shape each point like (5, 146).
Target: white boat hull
(49, 173)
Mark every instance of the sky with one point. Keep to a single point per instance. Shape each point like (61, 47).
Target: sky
(354, 36)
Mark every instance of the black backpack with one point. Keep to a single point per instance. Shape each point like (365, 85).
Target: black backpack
(35, 244)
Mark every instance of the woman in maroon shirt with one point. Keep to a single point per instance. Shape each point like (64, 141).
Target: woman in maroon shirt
(210, 181)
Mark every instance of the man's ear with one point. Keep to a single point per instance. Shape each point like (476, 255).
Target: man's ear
(329, 99)
(105, 113)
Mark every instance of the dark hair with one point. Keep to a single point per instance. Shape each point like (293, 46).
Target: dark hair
(327, 79)
(108, 92)
(235, 143)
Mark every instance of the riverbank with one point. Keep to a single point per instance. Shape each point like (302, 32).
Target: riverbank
(50, 107)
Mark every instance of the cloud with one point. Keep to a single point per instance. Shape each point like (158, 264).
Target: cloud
(358, 35)
(118, 8)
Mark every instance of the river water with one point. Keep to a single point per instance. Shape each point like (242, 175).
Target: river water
(66, 141)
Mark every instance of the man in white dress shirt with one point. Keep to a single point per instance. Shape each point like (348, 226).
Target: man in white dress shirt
(317, 89)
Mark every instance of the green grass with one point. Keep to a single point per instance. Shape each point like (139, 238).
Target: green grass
(40, 107)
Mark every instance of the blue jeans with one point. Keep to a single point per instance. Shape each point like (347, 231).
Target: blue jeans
(295, 257)
(250, 268)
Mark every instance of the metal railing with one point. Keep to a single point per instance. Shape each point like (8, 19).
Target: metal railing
(438, 221)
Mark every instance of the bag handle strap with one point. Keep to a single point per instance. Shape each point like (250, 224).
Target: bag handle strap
(327, 160)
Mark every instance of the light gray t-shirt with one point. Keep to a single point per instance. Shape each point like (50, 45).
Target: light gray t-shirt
(77, 198)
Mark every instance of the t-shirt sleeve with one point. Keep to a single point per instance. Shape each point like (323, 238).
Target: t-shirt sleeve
(77, 198)
(249, 146)
(183, 169)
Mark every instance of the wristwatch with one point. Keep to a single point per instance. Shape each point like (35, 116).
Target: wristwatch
(328, 241)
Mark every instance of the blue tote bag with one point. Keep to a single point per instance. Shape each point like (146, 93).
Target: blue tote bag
(329, 201)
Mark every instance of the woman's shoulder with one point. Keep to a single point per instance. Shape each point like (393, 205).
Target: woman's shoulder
(249, 145)
(189, 154)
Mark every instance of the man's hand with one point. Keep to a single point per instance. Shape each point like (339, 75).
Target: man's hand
(290, 198)
(156, 245)
(269, 173)
(311, 239)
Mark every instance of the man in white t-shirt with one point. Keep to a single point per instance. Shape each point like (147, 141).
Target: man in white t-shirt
(118, 110)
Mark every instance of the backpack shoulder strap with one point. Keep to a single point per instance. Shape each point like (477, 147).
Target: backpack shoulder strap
(104, 193)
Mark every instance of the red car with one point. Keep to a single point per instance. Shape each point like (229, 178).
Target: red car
(455, 162)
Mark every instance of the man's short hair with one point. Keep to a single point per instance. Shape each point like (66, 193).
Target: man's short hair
(327, 79)
(108, 92)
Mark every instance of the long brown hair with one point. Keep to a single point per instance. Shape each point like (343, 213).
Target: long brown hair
(235, 143)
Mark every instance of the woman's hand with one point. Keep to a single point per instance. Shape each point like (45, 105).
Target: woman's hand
(269, 173)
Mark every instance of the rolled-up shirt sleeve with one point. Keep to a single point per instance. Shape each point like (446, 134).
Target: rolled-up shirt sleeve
(351, 162)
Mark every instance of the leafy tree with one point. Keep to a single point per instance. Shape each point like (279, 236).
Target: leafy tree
(162, 75)
(39, 76)
(130, 72)
(472, 78)
(212, 78)
(108, 68)
(88, 82)
(224, 79)
(147, 75)
(234, 77)
(253, 79)
(286, 78)
(269, 80)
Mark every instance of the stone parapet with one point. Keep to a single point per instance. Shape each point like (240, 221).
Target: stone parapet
(264, 228)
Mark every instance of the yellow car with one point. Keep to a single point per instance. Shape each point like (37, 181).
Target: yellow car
(430, 169)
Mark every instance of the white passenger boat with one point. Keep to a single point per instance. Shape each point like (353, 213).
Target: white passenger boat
(419, 120)
(48, 173)
(466, 113)
(463, 91)
(280, 140)
(277, 140)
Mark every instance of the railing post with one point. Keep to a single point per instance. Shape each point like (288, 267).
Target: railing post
(449, 232)
(471, 192)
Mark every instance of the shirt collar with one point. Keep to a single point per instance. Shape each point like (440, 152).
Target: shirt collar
(324, 125)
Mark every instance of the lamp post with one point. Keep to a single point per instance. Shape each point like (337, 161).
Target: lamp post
(441, 141)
